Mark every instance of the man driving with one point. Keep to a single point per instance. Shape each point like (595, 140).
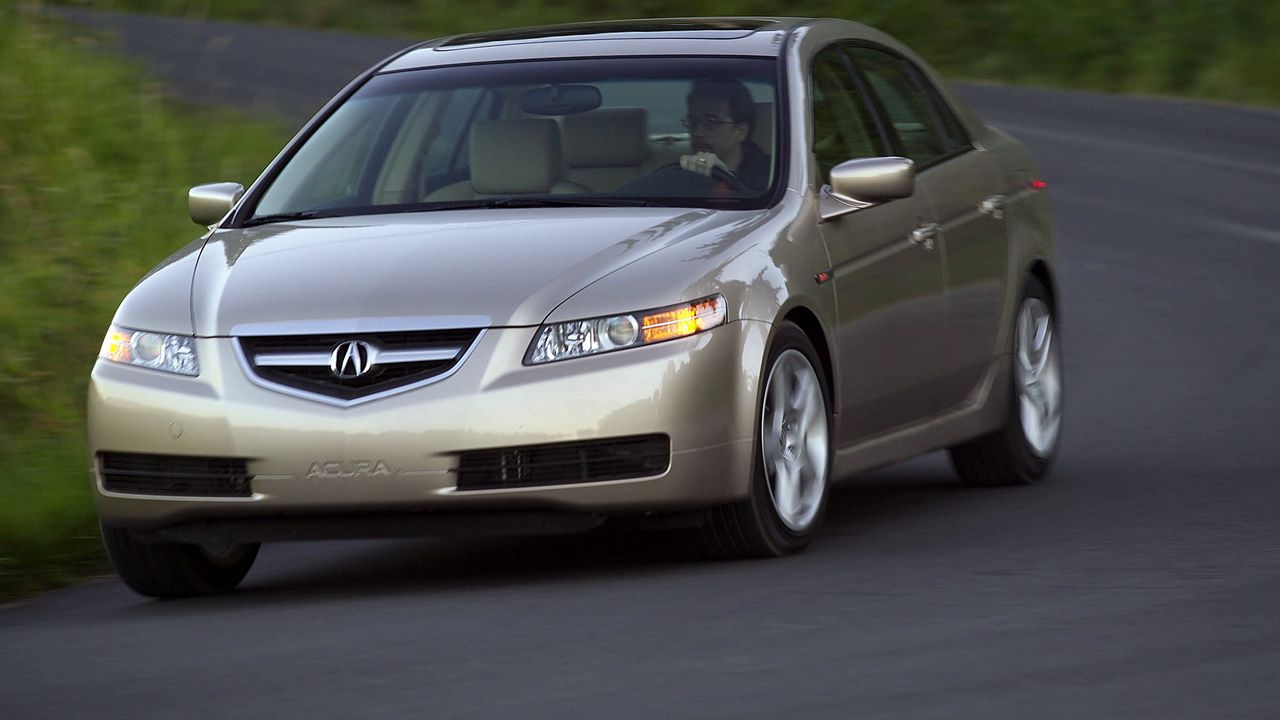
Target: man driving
(719, 119)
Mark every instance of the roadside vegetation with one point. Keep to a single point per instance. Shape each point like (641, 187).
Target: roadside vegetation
(1213, 49)
(94, 167)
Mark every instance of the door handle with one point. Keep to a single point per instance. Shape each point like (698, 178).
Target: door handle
(925, 235)
(993, 206)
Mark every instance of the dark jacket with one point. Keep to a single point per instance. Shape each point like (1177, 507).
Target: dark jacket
(753, 171)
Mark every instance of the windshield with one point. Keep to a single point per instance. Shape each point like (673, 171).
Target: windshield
(690, 132)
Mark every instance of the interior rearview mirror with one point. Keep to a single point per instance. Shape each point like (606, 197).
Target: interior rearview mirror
(561, 100)
(211, 202)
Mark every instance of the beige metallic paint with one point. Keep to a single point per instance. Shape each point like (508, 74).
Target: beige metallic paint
(208, 204)
(426, 264)
(160, 302)
(493, 400)
(858, 183)
(972, 245)
(701, 390)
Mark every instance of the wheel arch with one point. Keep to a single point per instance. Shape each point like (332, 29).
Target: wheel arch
(808, 322)
(1040, 270)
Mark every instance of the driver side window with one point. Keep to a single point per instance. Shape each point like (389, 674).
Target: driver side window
(843, 128)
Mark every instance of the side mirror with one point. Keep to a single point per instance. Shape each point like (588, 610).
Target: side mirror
(210, 203)
(856, 184)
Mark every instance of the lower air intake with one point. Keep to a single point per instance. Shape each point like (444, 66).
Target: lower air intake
(174, 475)
(565, 463)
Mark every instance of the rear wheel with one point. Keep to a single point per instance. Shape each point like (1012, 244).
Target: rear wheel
(173, 570)
(1021, 451)
(792, 459)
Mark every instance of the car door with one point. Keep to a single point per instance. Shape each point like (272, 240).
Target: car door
(888, 288)
(963, 186)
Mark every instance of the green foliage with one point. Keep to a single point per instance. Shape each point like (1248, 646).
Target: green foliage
(94, 167)
(1217, 49)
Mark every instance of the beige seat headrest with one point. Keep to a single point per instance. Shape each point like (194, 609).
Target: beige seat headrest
(608, 137)
(514, 156)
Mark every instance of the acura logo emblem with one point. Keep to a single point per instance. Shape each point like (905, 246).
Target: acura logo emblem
(351, 359)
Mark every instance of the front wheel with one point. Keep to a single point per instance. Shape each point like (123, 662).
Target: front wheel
(1021, 451)
(173, 570)
(792, 464)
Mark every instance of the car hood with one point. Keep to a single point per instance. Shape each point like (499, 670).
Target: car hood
(462, 268)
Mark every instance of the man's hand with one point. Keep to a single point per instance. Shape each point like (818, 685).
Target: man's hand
(703, 163)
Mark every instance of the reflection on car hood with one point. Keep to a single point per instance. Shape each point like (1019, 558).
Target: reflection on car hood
(462, 268)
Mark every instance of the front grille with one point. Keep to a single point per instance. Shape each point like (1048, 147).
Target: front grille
(306, 360)
(174, 475)
(564, 463)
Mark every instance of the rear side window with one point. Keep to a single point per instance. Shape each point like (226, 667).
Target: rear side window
(926, 131)
(957, 138)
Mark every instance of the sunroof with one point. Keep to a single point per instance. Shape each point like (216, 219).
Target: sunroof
(704, 28)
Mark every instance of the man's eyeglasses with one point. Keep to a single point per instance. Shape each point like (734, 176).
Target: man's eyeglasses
(707, 120)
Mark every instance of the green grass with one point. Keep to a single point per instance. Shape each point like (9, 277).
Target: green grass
(1214, 49)
(94, 168)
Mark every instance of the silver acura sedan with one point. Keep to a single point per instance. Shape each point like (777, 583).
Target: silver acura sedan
(689, 271)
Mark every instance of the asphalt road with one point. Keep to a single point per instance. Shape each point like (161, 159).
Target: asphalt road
(1141, 580)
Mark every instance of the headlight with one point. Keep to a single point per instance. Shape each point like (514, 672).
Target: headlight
(168, 353)
(578, 338)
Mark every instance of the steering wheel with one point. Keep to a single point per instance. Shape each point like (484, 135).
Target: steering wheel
(717, 173)
(724, 176)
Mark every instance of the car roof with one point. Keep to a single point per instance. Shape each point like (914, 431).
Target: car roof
(741, 36)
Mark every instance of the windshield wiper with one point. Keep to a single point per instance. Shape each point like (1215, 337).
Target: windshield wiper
(515, 202)
(506, 202)
(281, 217)
(521, 202)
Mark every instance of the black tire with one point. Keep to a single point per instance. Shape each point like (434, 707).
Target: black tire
(1006, 457)
(754, 528)
(176, 570)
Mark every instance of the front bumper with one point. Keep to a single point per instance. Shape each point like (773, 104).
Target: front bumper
(306, 457)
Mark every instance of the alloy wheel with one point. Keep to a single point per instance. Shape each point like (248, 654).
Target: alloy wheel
(794, 438)
(1038, 377)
